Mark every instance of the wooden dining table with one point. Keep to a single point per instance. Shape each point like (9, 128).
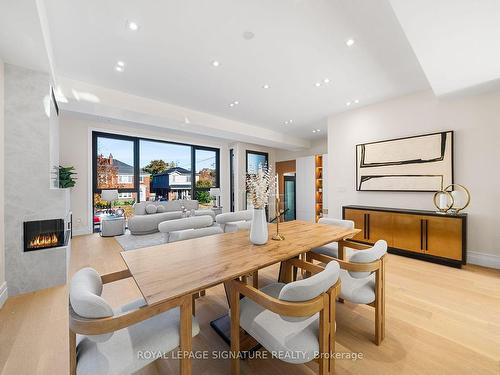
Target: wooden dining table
(169, 271)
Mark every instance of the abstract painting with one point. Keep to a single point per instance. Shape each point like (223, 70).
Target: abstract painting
(418, 163)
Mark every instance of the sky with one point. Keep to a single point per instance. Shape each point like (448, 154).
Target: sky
(124, 151)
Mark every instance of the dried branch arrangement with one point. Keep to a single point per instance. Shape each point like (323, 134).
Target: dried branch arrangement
(259, 186)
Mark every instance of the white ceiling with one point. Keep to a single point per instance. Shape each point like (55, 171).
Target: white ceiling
(296, 44)
(456, 41)
(21, 38)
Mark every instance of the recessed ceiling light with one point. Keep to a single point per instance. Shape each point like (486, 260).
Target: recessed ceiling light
(120, 63)
(215, 63)
(326, 80)
(231, 104)
(356, 101)
(236, 102)
(290, 121)
(266, 86)
(286, 122)
(348, 104)
(349, 42)
(248, 35)
(318, 130)
(119, 68)
(314, 130)
(132, 25)
(317, 84)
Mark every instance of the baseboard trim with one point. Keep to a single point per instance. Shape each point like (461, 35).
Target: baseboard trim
(482, 259)
(3, 293)
(81, 232)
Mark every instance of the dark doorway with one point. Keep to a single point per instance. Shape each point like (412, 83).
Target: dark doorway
(290, 198)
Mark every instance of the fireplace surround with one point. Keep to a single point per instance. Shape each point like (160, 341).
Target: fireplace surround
(44, 234)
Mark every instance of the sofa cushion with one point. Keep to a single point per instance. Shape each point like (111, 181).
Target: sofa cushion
(160, 208)
(185, 223)
(150, 209)
(145, 224)
(188, 234)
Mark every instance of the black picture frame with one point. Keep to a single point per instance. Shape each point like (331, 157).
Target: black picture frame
(402, 138)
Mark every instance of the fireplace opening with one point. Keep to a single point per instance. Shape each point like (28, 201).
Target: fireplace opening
(44, 234)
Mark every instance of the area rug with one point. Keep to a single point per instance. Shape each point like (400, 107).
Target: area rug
(130, 242)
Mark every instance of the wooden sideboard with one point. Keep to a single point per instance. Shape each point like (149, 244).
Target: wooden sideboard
(425, 235)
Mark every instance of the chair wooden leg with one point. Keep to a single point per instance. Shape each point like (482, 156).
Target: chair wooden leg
(186, 335)
(255, 279)
(382, 300)
(235, 331)
(331, 364)
(324, 335)
(378, 308)
(308, 259)
(72, 353)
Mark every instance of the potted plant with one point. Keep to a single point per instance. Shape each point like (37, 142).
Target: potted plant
(66, 179)
(259, 189)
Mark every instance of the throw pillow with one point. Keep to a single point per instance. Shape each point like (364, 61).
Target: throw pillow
(151, 209)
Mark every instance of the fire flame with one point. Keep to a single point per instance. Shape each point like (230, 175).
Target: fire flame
(43, 240)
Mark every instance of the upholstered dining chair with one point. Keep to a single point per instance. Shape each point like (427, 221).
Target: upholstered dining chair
(235, 221)
(332, 249)
(112, 339)
(296, 321)
(188, 228)
(363, 279)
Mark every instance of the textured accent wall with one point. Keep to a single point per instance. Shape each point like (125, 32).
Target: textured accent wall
(28, 195)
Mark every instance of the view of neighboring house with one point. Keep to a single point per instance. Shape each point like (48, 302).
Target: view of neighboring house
(174, 183)
(113, 173)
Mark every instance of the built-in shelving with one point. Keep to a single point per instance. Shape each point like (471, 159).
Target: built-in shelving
(318, 170)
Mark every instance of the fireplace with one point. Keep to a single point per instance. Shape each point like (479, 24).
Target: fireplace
(44, 234)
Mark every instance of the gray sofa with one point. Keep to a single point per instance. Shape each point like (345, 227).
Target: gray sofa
(145, 223)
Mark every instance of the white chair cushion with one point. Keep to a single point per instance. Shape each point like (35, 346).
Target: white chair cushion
(331, 250)
(120, 354)
(376, 252)
(85, 295)
(236, 226)
(279, 335)
(361, 291)
(339, 222)
(311, 287)
(193, 233)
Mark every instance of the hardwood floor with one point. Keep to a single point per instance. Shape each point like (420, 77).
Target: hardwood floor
(440, 320)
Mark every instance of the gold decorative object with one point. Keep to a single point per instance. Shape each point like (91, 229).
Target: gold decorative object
(278, 236)
(450, 189)
(449, 201)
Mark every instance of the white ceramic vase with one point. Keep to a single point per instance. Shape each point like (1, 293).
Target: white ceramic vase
(258, 232)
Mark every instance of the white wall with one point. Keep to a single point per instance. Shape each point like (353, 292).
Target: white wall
(319, 146)
(476, 122)
(76, 149)
(3, 284)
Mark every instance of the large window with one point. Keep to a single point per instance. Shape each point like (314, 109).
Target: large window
(144, 169)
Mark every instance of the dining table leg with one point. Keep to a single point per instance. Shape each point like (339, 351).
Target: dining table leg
(186, 335)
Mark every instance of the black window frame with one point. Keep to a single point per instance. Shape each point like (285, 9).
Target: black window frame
(137, 169)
